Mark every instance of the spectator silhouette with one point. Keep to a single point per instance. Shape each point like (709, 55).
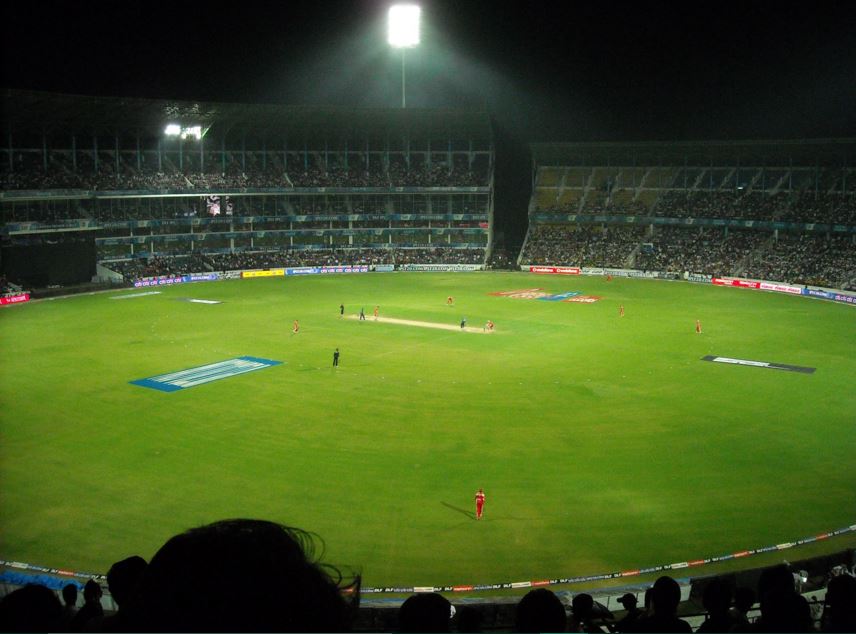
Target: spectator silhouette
(540, 611)
(628, 622)
(839, 610)
(91, 613)
(123, 581)
(782, 608)
(243, 575)
(665, 597)
(468, 619)
(425, 612)
(69, 610)
(32, 608)
(744, 599)
(716, 600)
(582, 606)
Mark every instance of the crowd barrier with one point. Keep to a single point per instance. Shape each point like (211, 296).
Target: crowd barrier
(476, 587)
(761, 285)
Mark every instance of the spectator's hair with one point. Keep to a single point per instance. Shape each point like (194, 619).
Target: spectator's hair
(32, 608)
(540, 611)
(425, 612)
(244, 575)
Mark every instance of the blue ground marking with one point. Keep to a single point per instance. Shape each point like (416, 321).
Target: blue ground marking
(192, 377)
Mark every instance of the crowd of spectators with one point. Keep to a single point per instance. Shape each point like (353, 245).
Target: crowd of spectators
(60, 175)
(581, 245)
(159, 266)
(200, 262)
(256, 576)
(502, 258)
(817, 260)
(821, 207)
(809, 207)
(708, 251)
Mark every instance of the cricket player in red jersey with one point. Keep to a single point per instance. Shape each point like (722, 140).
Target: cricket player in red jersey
(698, 326)
(295, 328)
(450, 300)
(479, 503)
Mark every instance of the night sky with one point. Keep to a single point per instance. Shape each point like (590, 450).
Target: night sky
(576, 71)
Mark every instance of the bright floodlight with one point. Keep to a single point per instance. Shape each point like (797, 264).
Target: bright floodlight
(404, 25)
(173, 129)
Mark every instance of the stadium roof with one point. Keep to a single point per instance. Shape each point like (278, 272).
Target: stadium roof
(33, 111)
(800, 152)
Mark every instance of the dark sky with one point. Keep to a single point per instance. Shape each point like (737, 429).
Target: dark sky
(575, 71)
(550, 70)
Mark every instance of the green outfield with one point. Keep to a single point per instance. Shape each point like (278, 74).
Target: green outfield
(602, 442)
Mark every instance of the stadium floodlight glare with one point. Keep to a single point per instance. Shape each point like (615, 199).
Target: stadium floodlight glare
(404, 25)
(403, 33)
(173, 129)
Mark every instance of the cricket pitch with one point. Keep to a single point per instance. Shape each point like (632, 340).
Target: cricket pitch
(424, 324)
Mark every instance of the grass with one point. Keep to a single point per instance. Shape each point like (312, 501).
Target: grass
(603, 443)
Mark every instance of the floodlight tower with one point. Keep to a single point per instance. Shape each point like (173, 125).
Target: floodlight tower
(403, 33)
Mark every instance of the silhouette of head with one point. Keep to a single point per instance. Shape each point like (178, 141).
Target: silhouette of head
(744, 599)
(665, 596)
(124, 577)
(582, 605)
(32, 608)
(776, 578)
(242, 575)
(841, 604)
(92, 591)
(717, 597)
(425, 612)
(69, 594)
(540, 611)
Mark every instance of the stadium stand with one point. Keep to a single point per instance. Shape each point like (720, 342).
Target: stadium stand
(782, 211)
(244, 179)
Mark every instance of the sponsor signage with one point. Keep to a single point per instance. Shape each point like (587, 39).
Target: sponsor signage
(759, 364)
(728, 281)
(780, 288)
(158, 281)
(547, 296)
(440, 268)
(560, 297)
(263, 273)
(555, 270)
(318, 270)
(695, 277)
(183, 379)
(831, 295)
(384, 268)
(176, 279)
(14, 299)
(201, 277)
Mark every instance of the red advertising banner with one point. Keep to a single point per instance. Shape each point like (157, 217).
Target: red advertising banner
(727, 281)
(14, 299)
(555, 270)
